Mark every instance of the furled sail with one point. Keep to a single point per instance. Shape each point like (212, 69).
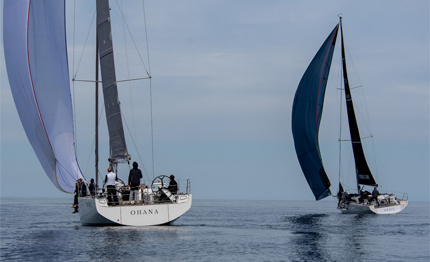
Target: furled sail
(364, 176)
(118, 147)
(306, 117)
(34, 36)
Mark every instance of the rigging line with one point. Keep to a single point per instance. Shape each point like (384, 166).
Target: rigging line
(128, 72)
(73, 83)
(83, 80)
(340, 101)
(118, 81)
(146, 36)
(350, 88)
(362, 101)
(85, 44)
(135, 146)
(92, 145)
(131, 36)
(375, 173)
(74, 34)
(152, 128)
(100, 176)
(361, 138)
(133, 79)
(366, 118)
(74, 119)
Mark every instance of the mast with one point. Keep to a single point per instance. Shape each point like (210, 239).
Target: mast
(363, 174)
(97, 114)
(117, 144)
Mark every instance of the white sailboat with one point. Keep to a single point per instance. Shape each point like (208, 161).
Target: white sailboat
(35, 49)
(306, 117)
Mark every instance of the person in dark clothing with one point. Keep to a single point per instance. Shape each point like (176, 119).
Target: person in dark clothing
(92, 187)
(375, 194)
(134, 181)
(339, 198)
(173, 186)
(346, 197)
(80, 191)
(75, 198)
(363, 197)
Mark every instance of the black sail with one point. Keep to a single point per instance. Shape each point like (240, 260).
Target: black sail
(364, 175)
(306, 117)
(118, 147)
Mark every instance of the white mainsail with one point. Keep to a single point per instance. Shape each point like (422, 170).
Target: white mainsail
(35, 48)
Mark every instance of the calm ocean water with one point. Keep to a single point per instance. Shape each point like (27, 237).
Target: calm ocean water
(217, 230)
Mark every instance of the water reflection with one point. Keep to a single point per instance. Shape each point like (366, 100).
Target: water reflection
(354, 230)
(308, 237)
(120, 243)
(327, 237)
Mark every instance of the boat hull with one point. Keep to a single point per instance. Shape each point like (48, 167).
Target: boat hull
(96, 211)
(389, 209)
(355, 208)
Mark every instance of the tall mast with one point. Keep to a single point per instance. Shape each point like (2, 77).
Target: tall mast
(363, 174)
(97, 114)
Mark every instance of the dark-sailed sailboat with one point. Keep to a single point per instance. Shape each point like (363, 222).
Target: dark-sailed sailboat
(35, 48)
(306, 117)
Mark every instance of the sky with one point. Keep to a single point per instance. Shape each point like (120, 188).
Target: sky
(224, 75)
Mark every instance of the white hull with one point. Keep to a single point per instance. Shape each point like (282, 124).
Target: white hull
(95, 211)
(355, 208)
(389, 209)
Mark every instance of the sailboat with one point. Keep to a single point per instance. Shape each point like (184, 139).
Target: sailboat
(306, 117)
(36, 59)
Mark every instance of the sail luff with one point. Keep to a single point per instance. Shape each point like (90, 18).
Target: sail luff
(117, 143)
(363, 173)
(306, 117)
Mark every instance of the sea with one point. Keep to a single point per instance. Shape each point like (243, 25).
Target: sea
(41, 229)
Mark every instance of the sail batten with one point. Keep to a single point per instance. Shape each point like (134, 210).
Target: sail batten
(306, 117)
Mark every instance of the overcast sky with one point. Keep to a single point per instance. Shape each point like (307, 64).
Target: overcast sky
(224, 77)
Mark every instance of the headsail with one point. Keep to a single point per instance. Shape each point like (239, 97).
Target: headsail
(306, 117)
(35, 48)
(118, 147)
(364, 176)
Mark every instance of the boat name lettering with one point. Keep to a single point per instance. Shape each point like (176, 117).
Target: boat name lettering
(364, 176)
(144, 212)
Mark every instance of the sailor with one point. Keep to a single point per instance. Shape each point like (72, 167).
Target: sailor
(362, 196)
(134, 181)
(375, 194)
(339, 197)
(80, 191)
(173, 186)
(110, 181)
(92, 187)
(345, 197)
